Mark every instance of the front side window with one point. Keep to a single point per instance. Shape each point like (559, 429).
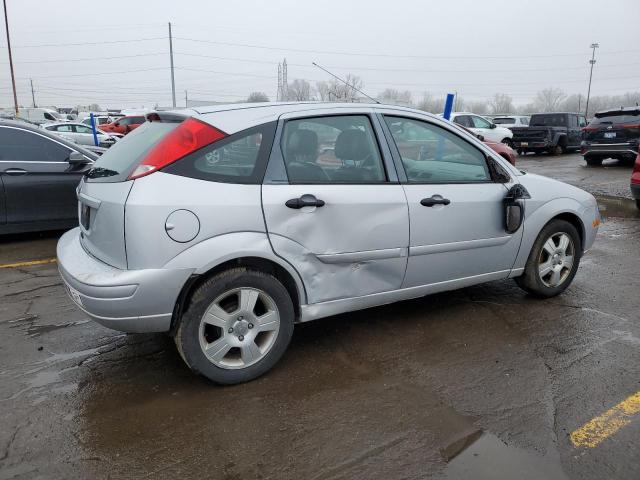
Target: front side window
(435, 155)
(240, 158)
(479, 122)
(335, 149)
(464, 120)
(23, 146)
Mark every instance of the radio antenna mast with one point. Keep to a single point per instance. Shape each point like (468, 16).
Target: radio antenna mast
(345, 82)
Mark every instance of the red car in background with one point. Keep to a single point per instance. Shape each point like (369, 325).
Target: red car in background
(124, 125)
(502, 149)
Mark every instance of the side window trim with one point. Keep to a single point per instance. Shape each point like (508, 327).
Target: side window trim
(378, 140)
(398, 158)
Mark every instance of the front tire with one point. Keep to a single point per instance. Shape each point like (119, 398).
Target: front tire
(236, 326)
(593, 161)
(553, 261)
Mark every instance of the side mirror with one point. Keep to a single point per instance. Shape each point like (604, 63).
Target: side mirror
(76, 158)
(480, 137)
(493, 125)
(514, 208)
(117, 124)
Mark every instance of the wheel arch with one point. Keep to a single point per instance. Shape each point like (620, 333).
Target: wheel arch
(251, 250)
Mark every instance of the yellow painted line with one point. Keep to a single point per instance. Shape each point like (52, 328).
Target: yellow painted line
(598, 429)
(28, 264)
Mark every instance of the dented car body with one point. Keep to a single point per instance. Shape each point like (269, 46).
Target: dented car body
(343, 206)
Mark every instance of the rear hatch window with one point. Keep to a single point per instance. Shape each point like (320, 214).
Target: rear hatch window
(616, 119)
(122, 158)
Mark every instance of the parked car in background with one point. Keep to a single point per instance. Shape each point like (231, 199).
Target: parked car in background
(250, 205)
(482, 126)
(612, 133)
(124, 125)
(81, 133)
(635, 180)
(41, 115)
(553, 133)
(510, 121)
(99, 120)
(39, 174)
(505, 151)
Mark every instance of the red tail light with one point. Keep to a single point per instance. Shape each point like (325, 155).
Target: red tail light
(631, 125)
(189, 136)
(590, 129)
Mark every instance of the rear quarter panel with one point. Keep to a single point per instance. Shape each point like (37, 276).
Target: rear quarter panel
(221, 208)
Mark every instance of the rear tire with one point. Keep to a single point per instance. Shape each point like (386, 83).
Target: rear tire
(638, 203)
(593, 161)
(236, 326)
(556, 150)
(553, 260)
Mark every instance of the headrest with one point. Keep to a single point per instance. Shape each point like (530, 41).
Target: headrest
(302, 142)
(352, 145)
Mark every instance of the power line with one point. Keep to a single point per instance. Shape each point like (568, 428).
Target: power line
(362, 54)
(60, 60)
(91, 43)
(189, 69)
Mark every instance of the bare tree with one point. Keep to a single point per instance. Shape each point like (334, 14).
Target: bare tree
(257, 97)
(501, 103)
(549, 99)
(396, 97)
(431, 104)
(299, 90)
(479, 107)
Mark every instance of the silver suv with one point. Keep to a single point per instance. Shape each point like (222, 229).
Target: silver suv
(226, 225)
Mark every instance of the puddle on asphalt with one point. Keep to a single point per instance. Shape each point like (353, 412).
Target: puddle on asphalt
(617, 207)
(482, 456)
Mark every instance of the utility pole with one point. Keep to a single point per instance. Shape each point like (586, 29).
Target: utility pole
(186, 100)
(592, 62)
(173, 80)
(33, 95)
(13, 77)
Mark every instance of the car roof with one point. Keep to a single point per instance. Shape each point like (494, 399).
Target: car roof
(557, 113)
(622, 110)
(238, 116)
(46, 133)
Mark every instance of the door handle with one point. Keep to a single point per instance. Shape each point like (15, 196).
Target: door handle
(304, 201)
(434, 200)
(15, 171)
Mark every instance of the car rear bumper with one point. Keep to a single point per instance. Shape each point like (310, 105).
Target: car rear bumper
(531, 144)
(626, 149)
(126, 300)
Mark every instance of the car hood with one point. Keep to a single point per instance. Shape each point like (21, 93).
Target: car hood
(546, 189)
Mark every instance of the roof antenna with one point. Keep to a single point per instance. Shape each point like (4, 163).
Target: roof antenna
(345, 82)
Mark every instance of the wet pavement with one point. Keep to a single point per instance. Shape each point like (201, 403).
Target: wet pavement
(611, 179)
(484, 383)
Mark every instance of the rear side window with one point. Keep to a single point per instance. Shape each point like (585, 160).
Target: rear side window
(117, 163)
(22, 146)
(239, 158)
(550, 120)
(332, 149)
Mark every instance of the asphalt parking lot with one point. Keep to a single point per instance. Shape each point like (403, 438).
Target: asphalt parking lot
(484, 382)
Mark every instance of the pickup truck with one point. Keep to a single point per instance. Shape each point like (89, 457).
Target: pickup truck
(554, 133)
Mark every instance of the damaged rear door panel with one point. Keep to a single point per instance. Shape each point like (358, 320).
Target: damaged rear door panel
(337, 212)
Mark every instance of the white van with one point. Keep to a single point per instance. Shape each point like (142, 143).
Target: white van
(41, 115)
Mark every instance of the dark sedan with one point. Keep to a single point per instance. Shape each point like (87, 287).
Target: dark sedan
(39, 173)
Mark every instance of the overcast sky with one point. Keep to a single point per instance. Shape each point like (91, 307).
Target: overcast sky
(115, 53)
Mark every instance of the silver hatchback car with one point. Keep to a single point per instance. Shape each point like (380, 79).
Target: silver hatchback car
(227, 225)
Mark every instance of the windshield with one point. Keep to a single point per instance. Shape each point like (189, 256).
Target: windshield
(549, 120)
(121, 159)
(503, 120)
(55, 114)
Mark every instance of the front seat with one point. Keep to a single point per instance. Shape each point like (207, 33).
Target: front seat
(301, 155)
(353, 149)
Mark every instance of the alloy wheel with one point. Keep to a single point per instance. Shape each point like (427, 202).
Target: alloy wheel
(556, 259)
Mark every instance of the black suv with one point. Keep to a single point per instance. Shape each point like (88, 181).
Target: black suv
(612, 134)
(554, 133)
